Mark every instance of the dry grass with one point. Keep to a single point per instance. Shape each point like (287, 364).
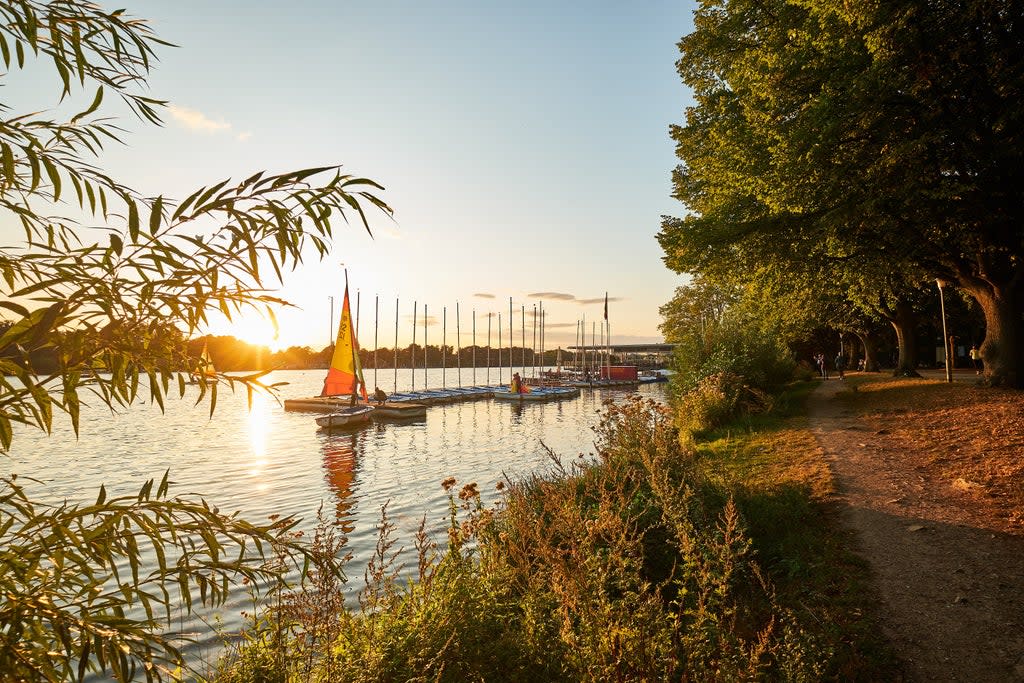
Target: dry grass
(970, 437)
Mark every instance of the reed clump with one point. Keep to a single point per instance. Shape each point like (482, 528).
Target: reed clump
(633, 567)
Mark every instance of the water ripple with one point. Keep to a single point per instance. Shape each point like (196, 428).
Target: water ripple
(267, 461)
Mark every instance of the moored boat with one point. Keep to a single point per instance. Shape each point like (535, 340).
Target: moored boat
(352, 416)
(206, 369)
(650, 376)
(537, 394)
(399, 411)
(345, 376)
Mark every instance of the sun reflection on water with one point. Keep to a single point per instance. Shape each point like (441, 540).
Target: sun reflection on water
(259, 428)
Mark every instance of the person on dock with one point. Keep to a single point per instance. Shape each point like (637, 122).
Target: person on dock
(379, 396)
(518, 386)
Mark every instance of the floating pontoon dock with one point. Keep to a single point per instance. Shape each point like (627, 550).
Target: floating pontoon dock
(410, 402)
(536, 394)
(592, 363)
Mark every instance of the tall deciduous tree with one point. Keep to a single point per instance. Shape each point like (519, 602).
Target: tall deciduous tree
(884, 132)
(111, 304)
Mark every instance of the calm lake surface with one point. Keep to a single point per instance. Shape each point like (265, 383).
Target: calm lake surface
(268, 461)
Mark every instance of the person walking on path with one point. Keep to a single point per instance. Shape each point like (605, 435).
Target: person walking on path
(840, 365)
(820, 360)
(976, 359)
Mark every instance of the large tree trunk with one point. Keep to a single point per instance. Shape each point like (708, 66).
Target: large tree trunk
(1001, 352)
(905, 322)
(870, 352)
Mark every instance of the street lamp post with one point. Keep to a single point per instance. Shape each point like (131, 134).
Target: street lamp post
(945, 338)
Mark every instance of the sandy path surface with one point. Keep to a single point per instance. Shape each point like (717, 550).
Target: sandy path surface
(951, 591)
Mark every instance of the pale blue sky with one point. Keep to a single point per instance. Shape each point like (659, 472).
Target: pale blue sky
(523, 146)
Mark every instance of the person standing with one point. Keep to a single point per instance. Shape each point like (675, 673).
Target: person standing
(840, 365)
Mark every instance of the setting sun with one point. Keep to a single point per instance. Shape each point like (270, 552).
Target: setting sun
(251, 328)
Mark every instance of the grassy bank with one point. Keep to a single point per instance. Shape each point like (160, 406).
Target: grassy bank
(770, 464)
(717, 560)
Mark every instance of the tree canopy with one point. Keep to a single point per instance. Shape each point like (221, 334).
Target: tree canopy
(858, 134)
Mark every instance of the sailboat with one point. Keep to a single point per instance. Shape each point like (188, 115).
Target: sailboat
(206, 368)
(345, 376)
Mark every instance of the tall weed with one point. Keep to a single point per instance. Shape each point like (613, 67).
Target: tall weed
(631, 568)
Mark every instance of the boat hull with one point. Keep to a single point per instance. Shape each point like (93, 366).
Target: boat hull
(399, 411)
(346, 418)
(317, 404)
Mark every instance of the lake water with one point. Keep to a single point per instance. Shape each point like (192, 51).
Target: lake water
(267, 461)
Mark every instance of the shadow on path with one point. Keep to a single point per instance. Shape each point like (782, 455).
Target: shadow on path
(952, 596)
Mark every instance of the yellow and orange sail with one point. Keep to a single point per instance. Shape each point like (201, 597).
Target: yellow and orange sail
(207, 363)
(345, 376)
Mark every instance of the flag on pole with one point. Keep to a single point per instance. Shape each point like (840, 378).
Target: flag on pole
(606, 305)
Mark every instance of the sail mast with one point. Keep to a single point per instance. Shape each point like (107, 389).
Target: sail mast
(458, 345)
(412, 349)
(353, 344)
(511, 341)
(376, 322)
(396, 345)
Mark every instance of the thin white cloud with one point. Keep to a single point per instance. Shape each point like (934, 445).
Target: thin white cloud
(561, 296)
(600, 300)
(483, 295)
(431, 320)
(389, 230)
(197, 120)
(193, 119)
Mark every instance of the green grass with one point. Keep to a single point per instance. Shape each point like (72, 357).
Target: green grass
(771, 466)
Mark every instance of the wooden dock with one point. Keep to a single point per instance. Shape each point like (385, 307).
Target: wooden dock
(428, 397)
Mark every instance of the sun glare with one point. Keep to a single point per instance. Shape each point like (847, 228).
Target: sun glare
(252, 329)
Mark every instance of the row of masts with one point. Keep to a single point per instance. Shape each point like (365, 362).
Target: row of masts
(587, 364)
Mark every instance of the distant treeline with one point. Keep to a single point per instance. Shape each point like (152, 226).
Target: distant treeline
(230, 354)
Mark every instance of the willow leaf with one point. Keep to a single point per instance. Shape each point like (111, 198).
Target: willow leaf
(156, 215)
(133, 221)
(96, 101)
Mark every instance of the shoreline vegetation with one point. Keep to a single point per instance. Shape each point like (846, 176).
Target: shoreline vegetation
(719, 557)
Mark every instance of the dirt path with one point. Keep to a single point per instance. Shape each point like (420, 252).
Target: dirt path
(951, 587)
